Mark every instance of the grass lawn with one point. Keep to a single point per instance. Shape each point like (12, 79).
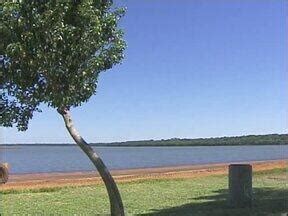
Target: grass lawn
(197, 196)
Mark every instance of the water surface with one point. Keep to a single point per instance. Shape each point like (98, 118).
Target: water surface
(32, 159)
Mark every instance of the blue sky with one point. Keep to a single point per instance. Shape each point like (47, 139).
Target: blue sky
(198, 68)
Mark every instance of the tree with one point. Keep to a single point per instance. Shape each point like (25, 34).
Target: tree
(51, 53)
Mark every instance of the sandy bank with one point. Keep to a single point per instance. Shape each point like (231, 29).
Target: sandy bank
(48, 180)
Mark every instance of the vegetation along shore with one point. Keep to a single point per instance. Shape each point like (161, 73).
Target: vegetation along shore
(269, 139)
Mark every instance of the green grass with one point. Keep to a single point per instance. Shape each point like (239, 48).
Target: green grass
(199, 196)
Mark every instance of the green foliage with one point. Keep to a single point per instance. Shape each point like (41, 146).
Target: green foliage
(270, 139)
(52, 52)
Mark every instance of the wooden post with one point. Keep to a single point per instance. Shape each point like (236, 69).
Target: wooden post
(240, 185)
(4, 173)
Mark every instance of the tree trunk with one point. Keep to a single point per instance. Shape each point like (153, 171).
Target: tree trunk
(116, 205)
(4, 172)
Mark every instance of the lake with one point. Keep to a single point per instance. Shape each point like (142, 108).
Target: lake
(35, 159)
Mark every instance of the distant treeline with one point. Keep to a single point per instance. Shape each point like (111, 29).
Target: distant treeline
(271, 139)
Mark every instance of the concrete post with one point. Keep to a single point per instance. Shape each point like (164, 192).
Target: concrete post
(240, 185)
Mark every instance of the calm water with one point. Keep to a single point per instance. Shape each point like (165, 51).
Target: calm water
(30, 159)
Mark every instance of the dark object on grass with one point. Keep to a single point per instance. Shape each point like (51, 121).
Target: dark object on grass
(240, 185)
(4, 173)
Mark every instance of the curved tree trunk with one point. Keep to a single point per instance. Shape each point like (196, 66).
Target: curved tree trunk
(116, 204)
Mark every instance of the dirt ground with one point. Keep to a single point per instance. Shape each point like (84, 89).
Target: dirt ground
(52, 180)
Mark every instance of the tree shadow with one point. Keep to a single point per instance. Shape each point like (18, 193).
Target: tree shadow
(266, 201)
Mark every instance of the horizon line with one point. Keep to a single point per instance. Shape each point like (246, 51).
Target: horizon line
(143, 140)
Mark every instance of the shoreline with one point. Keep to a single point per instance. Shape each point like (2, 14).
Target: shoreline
(124, 170)
(15, 146)
(84, 178)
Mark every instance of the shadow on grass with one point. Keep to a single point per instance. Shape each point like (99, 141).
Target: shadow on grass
(267, 201)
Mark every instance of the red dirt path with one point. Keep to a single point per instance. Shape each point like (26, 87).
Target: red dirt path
(52, 180)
